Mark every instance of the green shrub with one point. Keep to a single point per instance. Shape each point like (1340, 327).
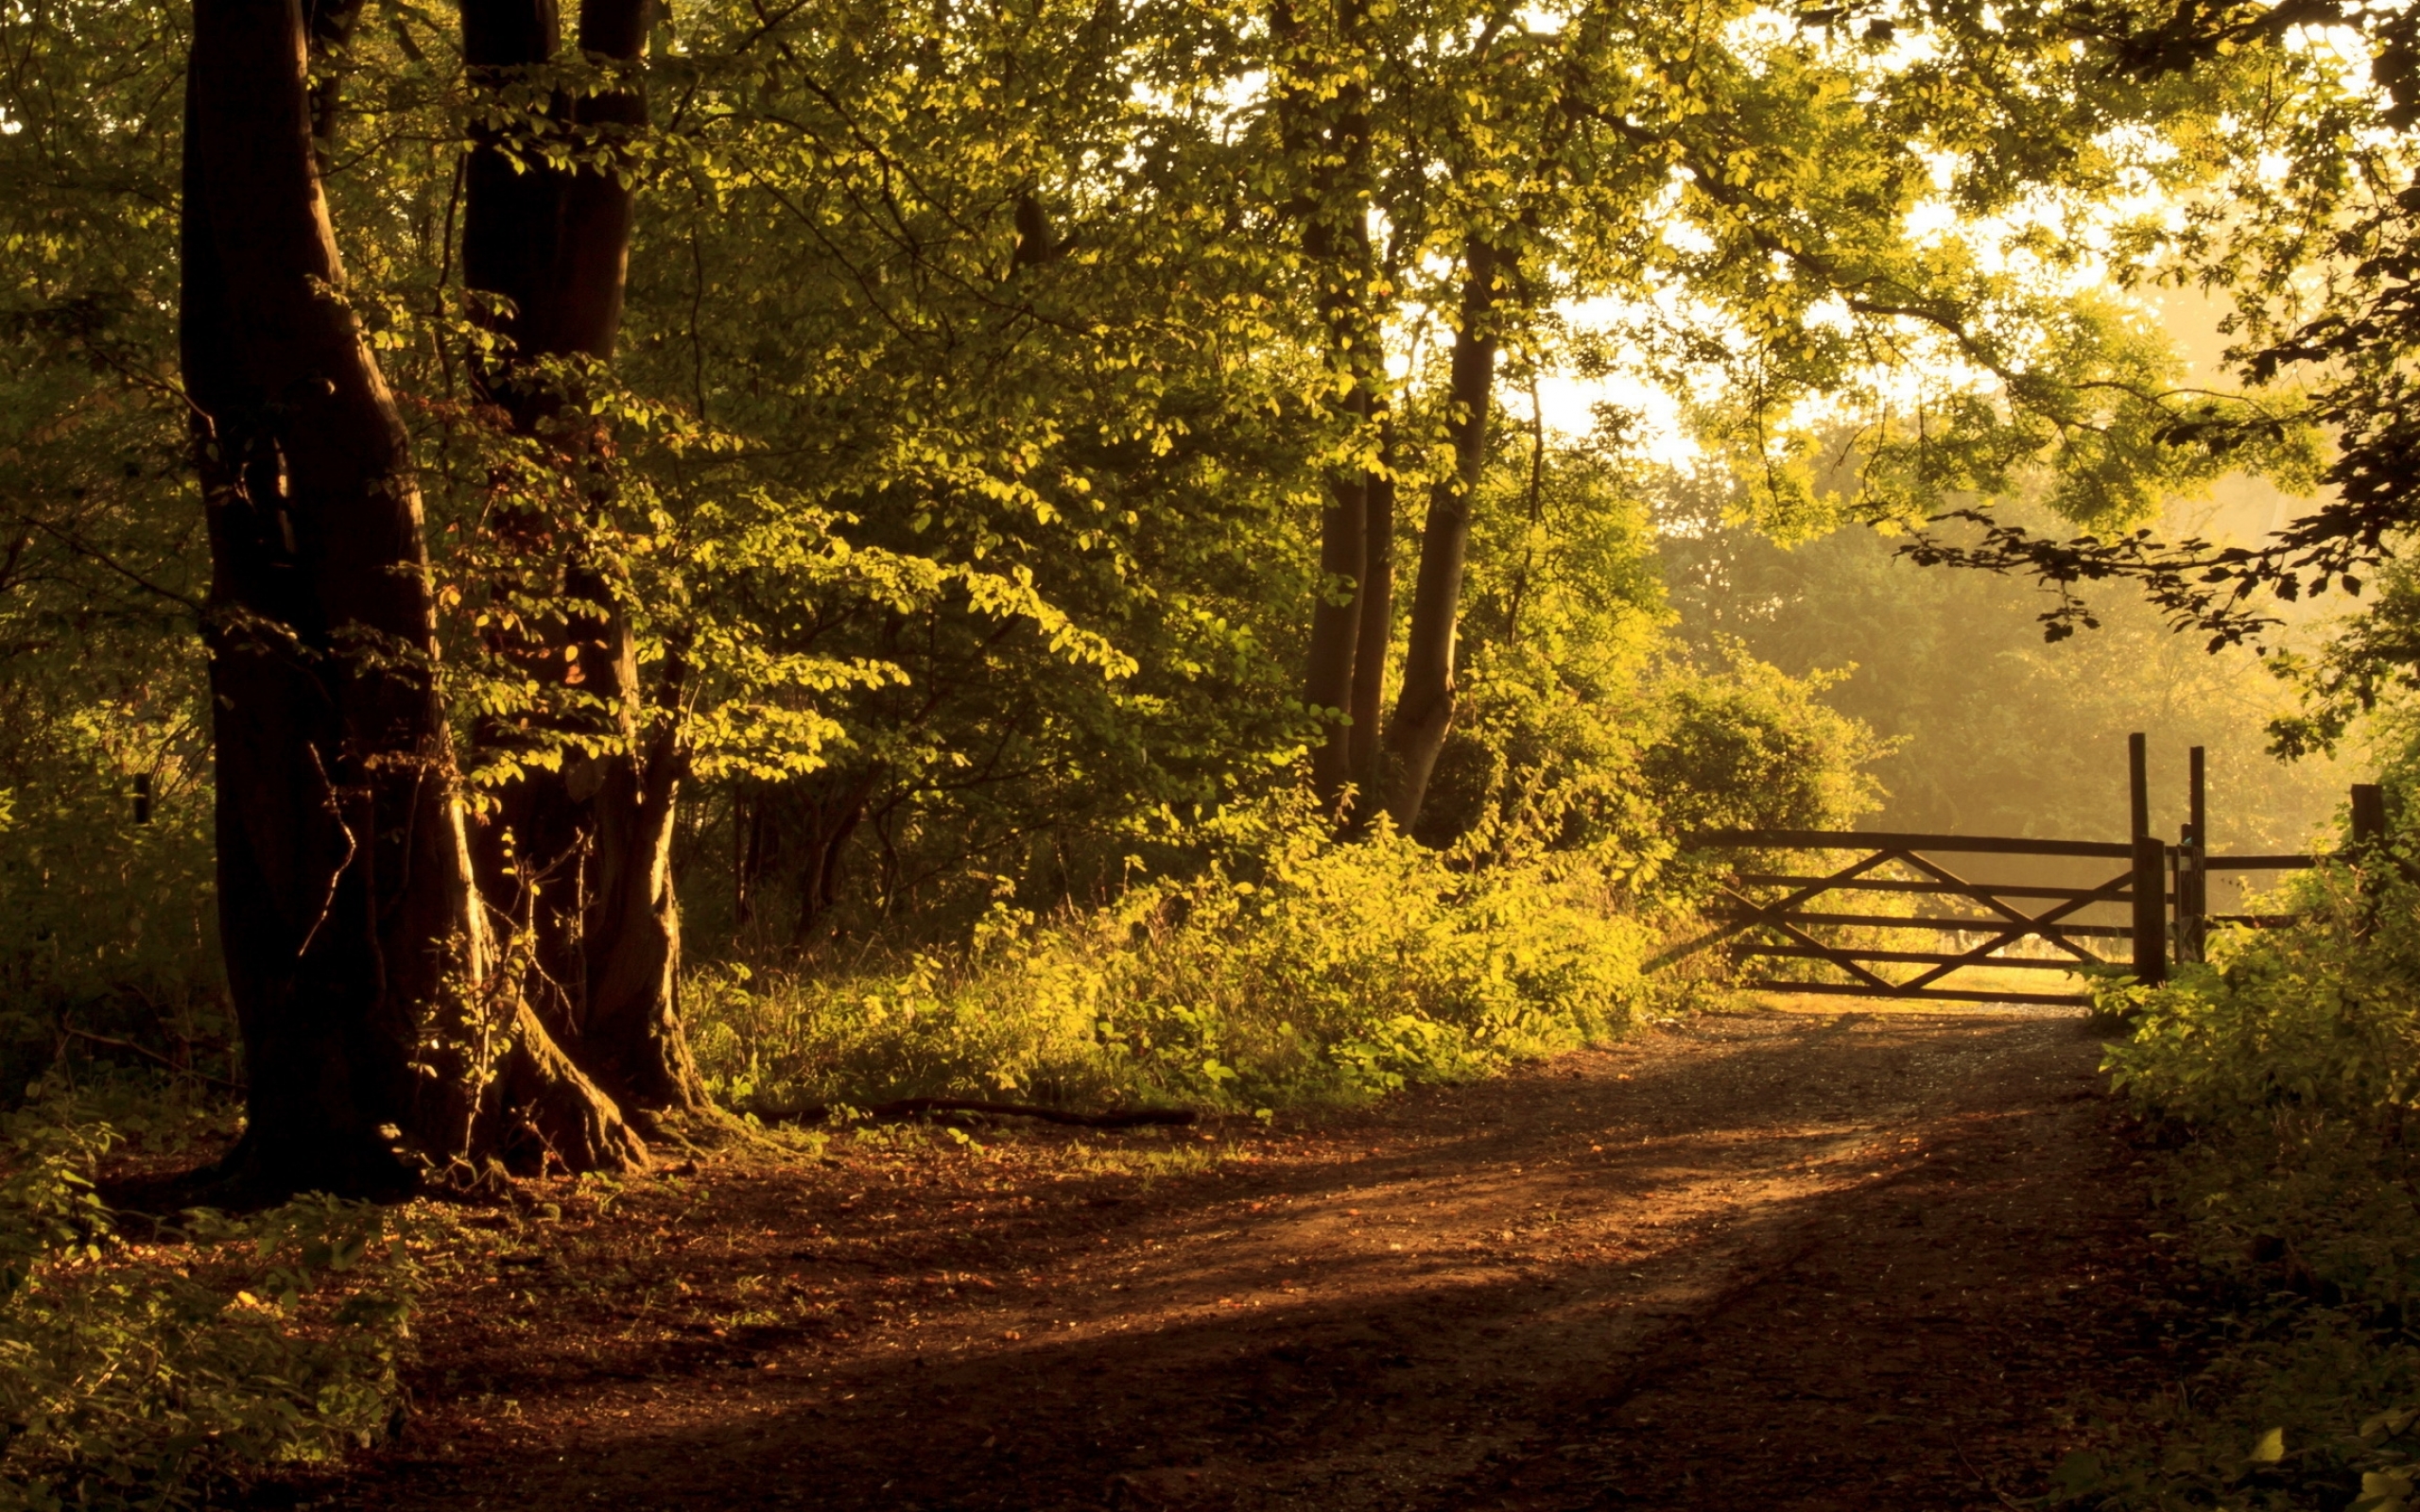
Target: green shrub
(1749, 746)
(2287, 1071)
(2318, 1024)
(1679, 748)
(145, 1374)
(2280, 1423)
(107, 925)
(1291, 968)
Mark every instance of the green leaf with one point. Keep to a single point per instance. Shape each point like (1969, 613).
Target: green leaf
(2078, 1471)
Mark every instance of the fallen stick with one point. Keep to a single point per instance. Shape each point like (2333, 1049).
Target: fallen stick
(909, 1107)
(113, 1042)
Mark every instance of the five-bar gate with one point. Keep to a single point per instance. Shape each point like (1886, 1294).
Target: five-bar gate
(1777, 908)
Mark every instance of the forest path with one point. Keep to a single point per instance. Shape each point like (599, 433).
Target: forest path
(1790, 1258)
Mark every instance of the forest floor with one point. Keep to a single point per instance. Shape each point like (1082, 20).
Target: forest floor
(1790, 1258)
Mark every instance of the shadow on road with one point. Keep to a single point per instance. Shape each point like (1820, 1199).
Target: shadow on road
(1783, 1259)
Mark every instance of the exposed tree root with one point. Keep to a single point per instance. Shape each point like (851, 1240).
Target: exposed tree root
(558, 1116)
(696, 1132)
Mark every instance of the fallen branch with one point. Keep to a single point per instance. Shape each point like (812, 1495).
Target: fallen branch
(111, 1041)
(910, 1107)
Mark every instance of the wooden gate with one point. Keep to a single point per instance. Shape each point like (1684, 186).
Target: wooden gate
(1791, 923)
(1827, 914)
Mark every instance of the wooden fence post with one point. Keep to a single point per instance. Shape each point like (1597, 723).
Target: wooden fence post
(2369, 847)
(2193, 861)
(2139, 784)
(2150, 910)
(2369, 815)
(2151, 870)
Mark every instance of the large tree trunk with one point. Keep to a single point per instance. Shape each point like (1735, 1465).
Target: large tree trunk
(355, 948)
(632, 1037)
(1376, 630)
(1425, 711)
(511, 213)
(1336, 627)
(1334, 215)
(594, 838)
(555, 242)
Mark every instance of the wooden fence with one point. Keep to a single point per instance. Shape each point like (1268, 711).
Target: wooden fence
(1800, 912)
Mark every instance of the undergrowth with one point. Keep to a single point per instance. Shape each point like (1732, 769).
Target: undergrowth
(151, 1370)
(1291, 968)
(2286, 1074)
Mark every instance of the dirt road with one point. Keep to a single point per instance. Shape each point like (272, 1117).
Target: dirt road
(1789, 1258)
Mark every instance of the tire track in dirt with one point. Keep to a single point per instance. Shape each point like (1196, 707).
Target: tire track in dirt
(1791, 1258)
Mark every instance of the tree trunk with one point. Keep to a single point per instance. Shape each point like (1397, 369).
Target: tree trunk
(831, 818)
(1376, 630)
(510, 216)
(355, 952)
(1336, 625)
(554, 242)
(1425, 711)
(1335, 213)
(748, 836)
(631, 1037)
(594, 838)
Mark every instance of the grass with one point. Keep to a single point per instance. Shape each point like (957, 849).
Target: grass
(1296, 971)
